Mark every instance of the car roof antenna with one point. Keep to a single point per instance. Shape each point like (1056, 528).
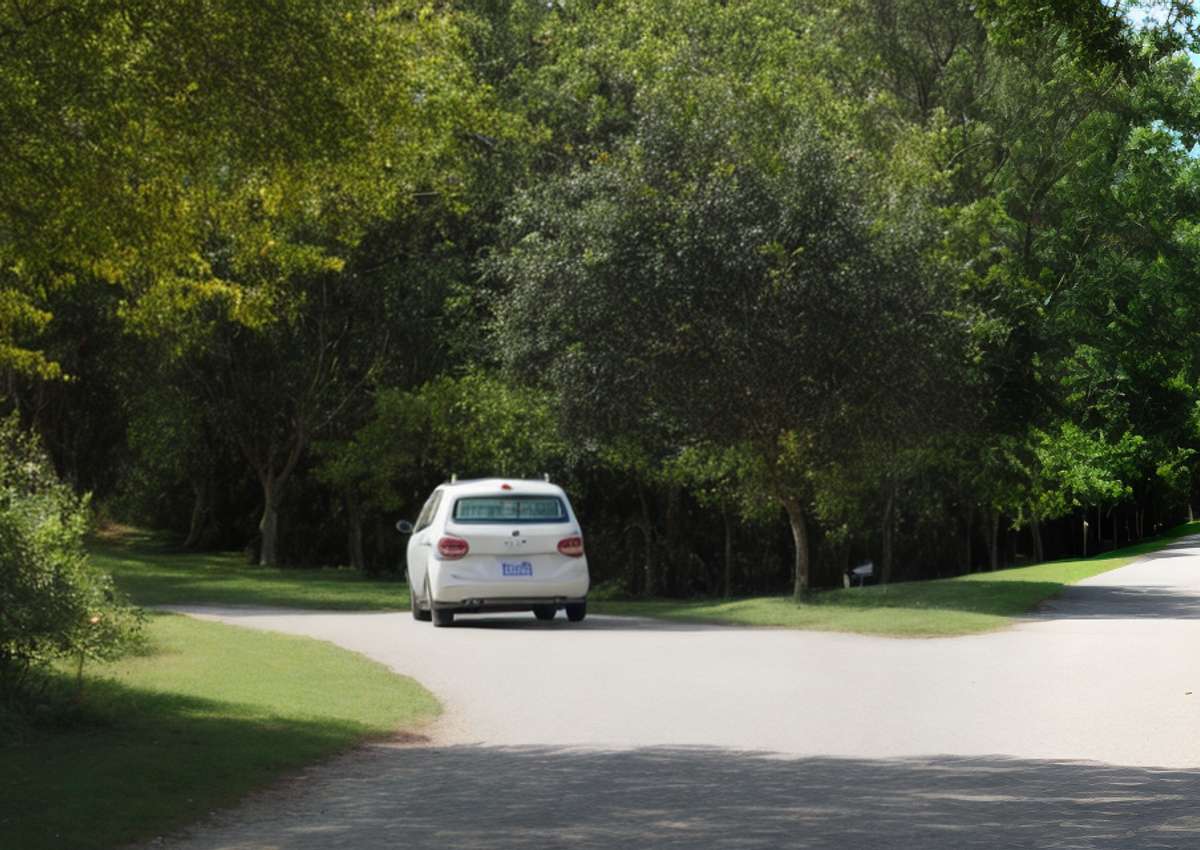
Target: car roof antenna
(546, 477)
(453, 477)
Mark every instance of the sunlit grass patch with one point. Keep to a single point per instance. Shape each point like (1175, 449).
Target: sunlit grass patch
(964, 605)
(209, 713)
(154, 574)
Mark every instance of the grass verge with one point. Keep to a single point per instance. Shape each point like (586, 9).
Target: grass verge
(958, 606)
(207, 714)
(153, 573)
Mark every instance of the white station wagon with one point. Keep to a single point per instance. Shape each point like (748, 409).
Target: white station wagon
(496, 545)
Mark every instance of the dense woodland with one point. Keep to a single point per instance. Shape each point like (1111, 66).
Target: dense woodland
(770, 286)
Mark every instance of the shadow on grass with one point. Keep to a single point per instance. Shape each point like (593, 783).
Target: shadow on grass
(138, 762)
(523, 798)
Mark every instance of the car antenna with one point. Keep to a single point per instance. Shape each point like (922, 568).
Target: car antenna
(546, 477)
(453, 477)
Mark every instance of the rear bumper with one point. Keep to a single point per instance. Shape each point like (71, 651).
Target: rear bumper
(476, 605)
(474, 586)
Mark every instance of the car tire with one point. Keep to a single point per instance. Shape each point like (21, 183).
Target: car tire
(440, 618)
(420, 614)
(576, 611)
(544, 612)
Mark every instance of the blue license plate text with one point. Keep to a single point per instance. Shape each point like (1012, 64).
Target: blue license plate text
(516, 568)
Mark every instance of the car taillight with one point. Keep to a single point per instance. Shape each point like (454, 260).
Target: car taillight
(452, 548)
(572, 546)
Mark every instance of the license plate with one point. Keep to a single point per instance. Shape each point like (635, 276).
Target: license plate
(516, 568)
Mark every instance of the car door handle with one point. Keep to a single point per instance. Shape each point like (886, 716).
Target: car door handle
(424, 543)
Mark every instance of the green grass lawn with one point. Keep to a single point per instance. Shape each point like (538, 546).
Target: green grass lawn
(153, 573)
(975, 603)
(207, 714)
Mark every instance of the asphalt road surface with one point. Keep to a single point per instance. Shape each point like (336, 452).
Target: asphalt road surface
(1079, 728)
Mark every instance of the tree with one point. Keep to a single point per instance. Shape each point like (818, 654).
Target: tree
(474, 425)
(129, 124)
(284, 312)
(729, 280)
(174, 446)
(729, 480)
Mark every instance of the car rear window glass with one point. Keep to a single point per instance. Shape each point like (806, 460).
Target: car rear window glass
(510, 509)
(428, 511)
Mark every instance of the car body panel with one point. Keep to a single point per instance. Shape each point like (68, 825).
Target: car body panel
(510, 565)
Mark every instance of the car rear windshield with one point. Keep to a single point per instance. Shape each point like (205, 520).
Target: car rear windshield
(510, 509)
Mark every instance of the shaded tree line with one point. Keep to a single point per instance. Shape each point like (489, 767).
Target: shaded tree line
(770, 287)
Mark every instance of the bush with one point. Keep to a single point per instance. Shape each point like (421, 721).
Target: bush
(53, 604)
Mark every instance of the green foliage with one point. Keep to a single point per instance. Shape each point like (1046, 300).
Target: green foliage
(110, 179)
(722, 274)
(55, 604)
(729, 479)
(216, 153)
(1085, 468)
(1101, 33)
(475, 425)
(911, 270)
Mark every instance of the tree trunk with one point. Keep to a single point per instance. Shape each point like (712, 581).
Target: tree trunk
(268, 526)
(728, 553)
(673, 572)
(966, 553)
(993, 540)
(272, 480)
(800, 577)
(199, 514)
(889, 521)
(650, 585)
(354, 518)
(1035, 529)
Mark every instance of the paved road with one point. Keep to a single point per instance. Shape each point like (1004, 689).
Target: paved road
(1079, 728)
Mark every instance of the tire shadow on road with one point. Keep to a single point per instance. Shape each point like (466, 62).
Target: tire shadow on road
(509, 622)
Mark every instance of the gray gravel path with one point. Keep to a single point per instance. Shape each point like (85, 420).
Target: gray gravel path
(1075, 729)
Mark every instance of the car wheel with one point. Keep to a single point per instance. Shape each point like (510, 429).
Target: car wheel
(440, 618)
(576, 611)
(418, 612)
(544, 612)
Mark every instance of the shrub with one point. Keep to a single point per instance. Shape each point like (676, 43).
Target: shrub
(53, 603)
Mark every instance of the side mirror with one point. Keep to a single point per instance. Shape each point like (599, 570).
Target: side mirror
(404, 526)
